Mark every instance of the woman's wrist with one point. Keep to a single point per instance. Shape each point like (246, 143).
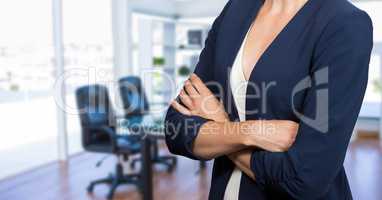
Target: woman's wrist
(249, 130)
(240, 132)
(271, 135)
(253, 131)
(249, 133)
(221, 118)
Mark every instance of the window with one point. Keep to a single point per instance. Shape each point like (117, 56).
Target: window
(87, 34)
(27, 106)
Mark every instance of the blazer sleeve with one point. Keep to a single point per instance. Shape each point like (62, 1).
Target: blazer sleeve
(181, 130)
(307, 169)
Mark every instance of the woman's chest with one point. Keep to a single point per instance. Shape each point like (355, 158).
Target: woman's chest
(263, 32)
(271, 90)
(273, 85)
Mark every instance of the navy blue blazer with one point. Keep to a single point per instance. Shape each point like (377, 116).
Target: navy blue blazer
(315, 73)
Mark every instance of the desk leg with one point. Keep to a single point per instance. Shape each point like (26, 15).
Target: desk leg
(146, 171)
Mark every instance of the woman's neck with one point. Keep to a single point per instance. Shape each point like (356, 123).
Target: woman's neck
(283, 6)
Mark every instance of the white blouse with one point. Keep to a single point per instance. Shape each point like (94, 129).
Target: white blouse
(239, 87)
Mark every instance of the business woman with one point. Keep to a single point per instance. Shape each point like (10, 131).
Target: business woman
(274, 99)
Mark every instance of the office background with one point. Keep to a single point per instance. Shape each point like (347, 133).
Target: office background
(49, 48)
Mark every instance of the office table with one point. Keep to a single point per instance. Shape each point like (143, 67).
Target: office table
(147, 128)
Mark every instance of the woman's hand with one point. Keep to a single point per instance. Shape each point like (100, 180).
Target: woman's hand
(271, 135)
(198, 100)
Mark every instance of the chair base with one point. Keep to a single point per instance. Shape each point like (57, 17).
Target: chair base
(115, 180)
(169, 161)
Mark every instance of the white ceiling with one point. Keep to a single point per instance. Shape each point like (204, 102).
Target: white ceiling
(179, 8)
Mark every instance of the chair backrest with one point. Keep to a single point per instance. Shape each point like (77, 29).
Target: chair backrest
(133, 96)
(95, 110)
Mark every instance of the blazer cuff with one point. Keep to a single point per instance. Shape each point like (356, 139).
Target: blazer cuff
(191, 130)
(272, 167)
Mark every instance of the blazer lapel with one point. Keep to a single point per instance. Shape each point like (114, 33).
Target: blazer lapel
(231, 34)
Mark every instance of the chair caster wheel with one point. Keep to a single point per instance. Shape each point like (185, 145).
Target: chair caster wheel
(109, 196)
(90, 188)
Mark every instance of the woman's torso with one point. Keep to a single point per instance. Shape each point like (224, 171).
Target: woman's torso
(270, 89)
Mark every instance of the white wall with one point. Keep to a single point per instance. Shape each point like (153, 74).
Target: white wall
(199, 8)
(154, 7)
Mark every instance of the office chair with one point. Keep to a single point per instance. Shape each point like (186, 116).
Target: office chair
(99, 135)
(136, 105)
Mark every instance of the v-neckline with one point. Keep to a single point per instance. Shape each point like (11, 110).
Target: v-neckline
(275, 40)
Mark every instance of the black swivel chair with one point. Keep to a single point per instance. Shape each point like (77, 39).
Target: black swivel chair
(136, 105)
(99, 134)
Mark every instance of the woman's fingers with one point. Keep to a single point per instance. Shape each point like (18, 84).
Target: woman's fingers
(186, 100)
(180, 108)
(199, 85)
(191, 91)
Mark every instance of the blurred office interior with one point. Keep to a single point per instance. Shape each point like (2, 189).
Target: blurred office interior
(50, 48)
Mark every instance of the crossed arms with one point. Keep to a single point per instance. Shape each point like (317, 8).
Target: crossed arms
(220, 136)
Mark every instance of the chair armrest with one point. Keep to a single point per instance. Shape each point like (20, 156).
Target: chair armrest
(110, 132)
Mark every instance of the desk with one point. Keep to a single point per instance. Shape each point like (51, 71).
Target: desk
(147, 128)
